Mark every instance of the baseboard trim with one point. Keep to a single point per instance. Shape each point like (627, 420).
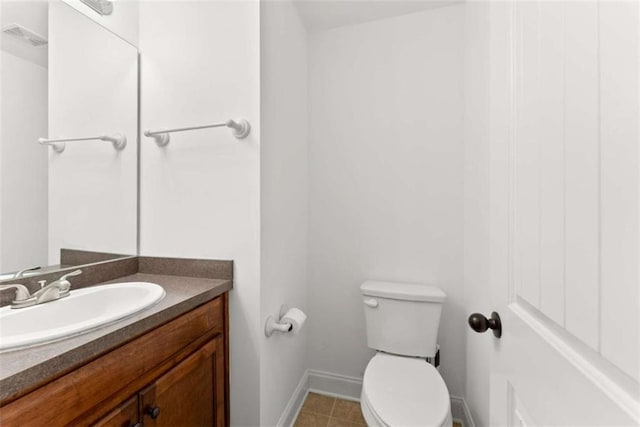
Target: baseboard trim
(326, 383)
(291, 411)
(336, 385)
(346, 387)
(460, 411)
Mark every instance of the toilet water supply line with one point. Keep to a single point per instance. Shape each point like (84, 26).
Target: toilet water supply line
(290, 320)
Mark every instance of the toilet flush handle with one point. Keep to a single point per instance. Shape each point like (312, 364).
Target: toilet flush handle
(371, 302)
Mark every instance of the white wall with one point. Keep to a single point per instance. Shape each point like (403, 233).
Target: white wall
(386, 178)
(123, 20)
(321, 15)
(284, 199)
(23, 119)
(23, 195)
(477, 284)
(93, 82)
(200, 195)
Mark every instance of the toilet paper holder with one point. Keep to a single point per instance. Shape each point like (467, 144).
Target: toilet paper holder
(272, 325)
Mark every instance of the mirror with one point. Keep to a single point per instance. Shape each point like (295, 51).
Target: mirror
(68, 139)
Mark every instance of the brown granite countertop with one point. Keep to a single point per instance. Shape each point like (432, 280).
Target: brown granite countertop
(23, 370)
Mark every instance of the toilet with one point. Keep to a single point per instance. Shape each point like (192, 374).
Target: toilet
(400, 387)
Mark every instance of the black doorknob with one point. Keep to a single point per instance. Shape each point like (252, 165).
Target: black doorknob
(153, 412)
(479, 323)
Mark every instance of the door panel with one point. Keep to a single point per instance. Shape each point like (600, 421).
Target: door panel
(619, 186)
(565, 217)
(581, 170)
(187, 395)
(551, 147)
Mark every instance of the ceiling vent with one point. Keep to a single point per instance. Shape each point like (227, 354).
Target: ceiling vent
(103, 7)
(18, 32)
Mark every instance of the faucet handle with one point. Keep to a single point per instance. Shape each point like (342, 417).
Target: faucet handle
(73, 273)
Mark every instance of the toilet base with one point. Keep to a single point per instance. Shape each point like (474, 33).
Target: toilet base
(373, 421)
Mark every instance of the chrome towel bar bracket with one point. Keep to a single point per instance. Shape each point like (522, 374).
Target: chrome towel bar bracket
(240, 129)
(58, 144)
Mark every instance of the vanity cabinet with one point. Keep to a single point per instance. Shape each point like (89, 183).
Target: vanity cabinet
(125, 415)
(174, 375)
(184, 396)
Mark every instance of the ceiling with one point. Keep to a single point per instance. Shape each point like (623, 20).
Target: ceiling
(319, 15)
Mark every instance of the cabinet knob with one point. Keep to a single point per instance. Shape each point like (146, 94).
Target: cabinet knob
(153, 412)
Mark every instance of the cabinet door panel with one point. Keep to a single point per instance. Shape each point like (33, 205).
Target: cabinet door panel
(125, 415)
(188, 395)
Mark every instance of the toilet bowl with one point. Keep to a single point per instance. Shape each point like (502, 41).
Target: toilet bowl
(404, 391)
(400, 388)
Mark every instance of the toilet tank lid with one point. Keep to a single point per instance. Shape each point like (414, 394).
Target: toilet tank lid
(402, 291)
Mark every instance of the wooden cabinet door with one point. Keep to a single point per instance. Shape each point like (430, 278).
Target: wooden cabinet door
(125, 415)
(189, 395)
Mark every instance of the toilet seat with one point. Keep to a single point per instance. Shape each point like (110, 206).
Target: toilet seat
(404, 391)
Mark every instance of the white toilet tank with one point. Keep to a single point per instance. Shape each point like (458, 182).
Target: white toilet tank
(402, 318)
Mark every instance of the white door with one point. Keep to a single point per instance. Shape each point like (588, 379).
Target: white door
(565, 194)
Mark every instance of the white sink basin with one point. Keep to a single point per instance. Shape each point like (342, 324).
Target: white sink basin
(82, 310)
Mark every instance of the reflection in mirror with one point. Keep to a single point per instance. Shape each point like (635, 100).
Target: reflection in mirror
(65, 76)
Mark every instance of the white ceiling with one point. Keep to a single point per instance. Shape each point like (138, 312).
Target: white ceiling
(320, 15)
(34, 15)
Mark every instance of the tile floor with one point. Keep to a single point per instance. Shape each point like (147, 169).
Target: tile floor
(325, 411)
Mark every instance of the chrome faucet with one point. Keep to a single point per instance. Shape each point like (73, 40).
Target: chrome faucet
(55, 290)
(20, 273)
(22, 293)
